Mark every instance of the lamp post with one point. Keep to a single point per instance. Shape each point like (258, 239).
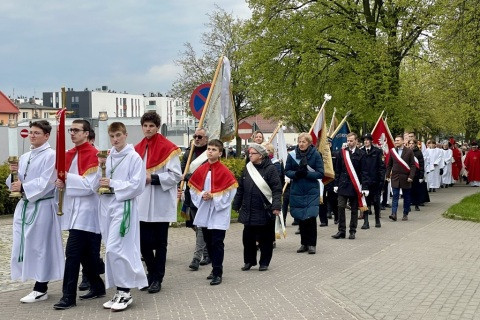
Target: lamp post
(13, 152)
(103, 146)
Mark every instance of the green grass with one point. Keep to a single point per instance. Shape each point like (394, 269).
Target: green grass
(467, 209)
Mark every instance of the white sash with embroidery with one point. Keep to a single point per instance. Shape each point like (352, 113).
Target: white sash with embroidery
(400, 160)
(198, 162)
(267, 192)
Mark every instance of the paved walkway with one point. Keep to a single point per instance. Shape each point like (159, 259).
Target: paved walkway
(426, 268)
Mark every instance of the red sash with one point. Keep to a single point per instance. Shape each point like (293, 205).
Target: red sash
(402, 162)
(222, 179)
(362, 203)
(87, 160)
(160, 151)
(417, 164)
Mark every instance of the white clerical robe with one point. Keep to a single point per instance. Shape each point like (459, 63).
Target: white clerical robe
(215, 213)
(123, 265)
(37, 235)
(158, 203)
(80, 203)
(447, 169)
(435, 163)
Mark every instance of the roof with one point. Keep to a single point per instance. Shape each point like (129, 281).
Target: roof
(6, 105)
(28, 105)
(265, 125)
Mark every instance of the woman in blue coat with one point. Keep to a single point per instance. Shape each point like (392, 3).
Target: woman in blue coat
(305, 167)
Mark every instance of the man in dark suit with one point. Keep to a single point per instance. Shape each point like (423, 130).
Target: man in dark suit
(347, 188)
(401, 170)
(375, 168)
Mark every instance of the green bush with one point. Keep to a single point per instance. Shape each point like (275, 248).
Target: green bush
(235, 165)
(7, 205)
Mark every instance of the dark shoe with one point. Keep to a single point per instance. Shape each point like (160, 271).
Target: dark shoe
(84, 285)
(335, 222)
(377, 223)
(434, 190)
(417, 208)
(329, 215)
(263, 268)
(311, 250)
(274, 244)
(366, 226)
(393, 217)
(205, 261)
(92, 295)
(194, 265)
(422, 204)
(302, 249)
(352, 235)
(382, 208)
(323, 224)
(295, 223)
(405, 217)
(298, 231)
(210, 276)
(388, 206)
(248, 266)
(216, 280)
(155, 287)
(339, 235)
(64, 303)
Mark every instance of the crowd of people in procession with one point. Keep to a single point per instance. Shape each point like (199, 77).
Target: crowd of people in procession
(139, 196)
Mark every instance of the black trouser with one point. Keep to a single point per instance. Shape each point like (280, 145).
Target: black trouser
(417, 192)
(322, 212)
(373, 199)
(216, 248)
(263, 234)
(385, 194)
(153, 246)
(40, 286)
(342, 222)
(82, 247)
(332, 199)
(308, 231)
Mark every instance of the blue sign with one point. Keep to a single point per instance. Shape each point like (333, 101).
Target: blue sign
(198, 98)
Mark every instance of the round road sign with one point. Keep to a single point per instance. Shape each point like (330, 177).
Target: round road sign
(24, 133)
(198, 98)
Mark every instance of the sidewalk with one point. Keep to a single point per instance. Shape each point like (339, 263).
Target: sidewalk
(426, 268)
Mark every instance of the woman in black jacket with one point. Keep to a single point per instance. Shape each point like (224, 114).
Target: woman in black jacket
(255, 211)
(418, 188)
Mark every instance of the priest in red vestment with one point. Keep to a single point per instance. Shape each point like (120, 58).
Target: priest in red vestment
(472, 165)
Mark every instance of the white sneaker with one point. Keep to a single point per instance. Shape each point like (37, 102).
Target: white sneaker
(34, 296)
(109, 303)
(124, 299)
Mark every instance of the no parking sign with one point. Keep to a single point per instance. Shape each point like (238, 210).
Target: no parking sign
(198, 98)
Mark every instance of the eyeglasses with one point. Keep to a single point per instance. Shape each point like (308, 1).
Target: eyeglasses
(74, 130)
(197, 136)
(35, 133)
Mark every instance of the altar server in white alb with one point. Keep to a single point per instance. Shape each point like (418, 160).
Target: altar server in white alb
(213, 187)
(447, 178)
(158, 202)
(434, 165)
(37, 251)
(81, 217)
(118, 215)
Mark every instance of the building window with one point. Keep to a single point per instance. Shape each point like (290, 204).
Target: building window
(45, 115)
(25, 115)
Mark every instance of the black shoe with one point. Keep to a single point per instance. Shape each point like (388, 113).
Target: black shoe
(405, 217)
(93, 295)
(335, 222)
(149, 281)
(262, 268)
(352, 235)
(194, 265)
(329, 215)
(248, 266)
(393, 217)
(84, 285)
(339, 235)
(378, 224)
(298, 231)
(366, 226)
(311, 250)
(382, 208)
(324, 224)
(64, 303)
(388, 206)
(216, 280)
(302, 249)
(210, 276)
(155, 287)
(434, 190)
(417, 208)
(205, 261)
(422, 204)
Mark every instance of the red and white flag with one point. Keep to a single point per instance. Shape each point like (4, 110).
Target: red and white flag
(382, 137)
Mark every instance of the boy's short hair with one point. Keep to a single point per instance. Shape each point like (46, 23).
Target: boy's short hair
(85, 125)
(150, 117)
(216, 143)
(42, 124)
(117, 126)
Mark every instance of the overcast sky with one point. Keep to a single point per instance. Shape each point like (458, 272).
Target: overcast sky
(128, 45)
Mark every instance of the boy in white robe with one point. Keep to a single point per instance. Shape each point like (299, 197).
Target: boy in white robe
(213, 187)
(118, 215)
(447, 178)
(158, 202)
(37, 251)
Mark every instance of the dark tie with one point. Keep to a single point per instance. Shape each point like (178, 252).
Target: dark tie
(368, 151)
